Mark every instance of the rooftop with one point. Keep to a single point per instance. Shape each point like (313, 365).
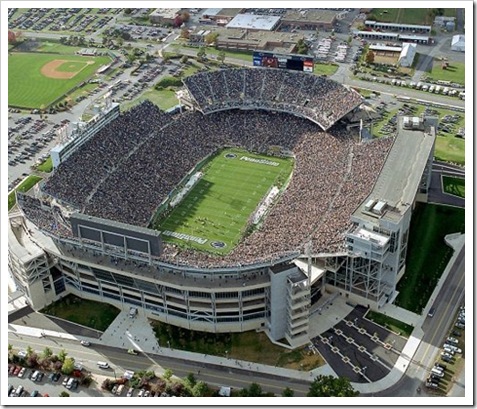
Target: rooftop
(166, 13)
(254, 22)
(399, 179)
(315, 16)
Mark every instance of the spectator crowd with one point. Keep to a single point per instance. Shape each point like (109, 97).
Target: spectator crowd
(317, 98)
(128, 168)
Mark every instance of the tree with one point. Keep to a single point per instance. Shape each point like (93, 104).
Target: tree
(185, 33)
(370, 57)
(185, 16)
(211, 38)
(201, 54)
(128, 11)
(167, 374)
(62, 354)
(64, 394)
(178, 21)
(32, 360)
(47, 352)
(200, 389)
(29, 350)
(68, 366)
(12, 37)
(255, 390)
(10, 348)
(287, 392)
(301, 47)
(221, 57)
(184, 59)
(189, 381)
(328, 385)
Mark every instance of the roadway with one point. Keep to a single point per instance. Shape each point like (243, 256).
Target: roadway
(120, 361)
(447, 301)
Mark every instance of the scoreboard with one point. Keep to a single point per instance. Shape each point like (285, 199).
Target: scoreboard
(288, 61)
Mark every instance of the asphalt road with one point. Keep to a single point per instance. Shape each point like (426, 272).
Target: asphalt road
(120, 361)
(448, 301)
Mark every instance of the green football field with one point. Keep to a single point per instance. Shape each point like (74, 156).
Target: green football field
(215, 213)
(29, 88)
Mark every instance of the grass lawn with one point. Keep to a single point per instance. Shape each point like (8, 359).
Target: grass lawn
(25, 186)
(164, 99)
(91, 314)
(29, 88)
(455, 72)
(427, 254)
(325, 69)
(218, 207)
(248, 346)
(54, 47)
(46, 166)
(406, 15)
(454, 186)
(450, 149)
(392, 324)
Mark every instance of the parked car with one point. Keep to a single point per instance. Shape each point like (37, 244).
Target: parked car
(446, 355)
(85, 343)
(65, 381)
(132, 352)
(457, 333)
(446, 358)
(460, 325)
(452, 340)
(130, 392)
(22, 354)
(21, 373)
(35, 394)
(17, 370)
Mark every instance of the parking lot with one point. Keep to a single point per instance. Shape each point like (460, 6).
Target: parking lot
(359, 349)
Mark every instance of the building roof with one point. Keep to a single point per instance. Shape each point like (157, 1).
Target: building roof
(313, 16)
(254, 22)
(211, 12)
(382, 47)
(412, 37)
(399, 179)
(458, 39)
(165, 13)
(397, 25)
(390, 35)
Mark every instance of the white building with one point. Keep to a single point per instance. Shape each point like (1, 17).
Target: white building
(458, 43)
(407, 55)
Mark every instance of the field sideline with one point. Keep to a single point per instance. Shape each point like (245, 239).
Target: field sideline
(29, 88)
(218, 207)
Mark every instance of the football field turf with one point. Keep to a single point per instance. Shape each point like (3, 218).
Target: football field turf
(215, 213)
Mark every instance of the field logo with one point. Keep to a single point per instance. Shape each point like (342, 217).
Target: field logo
(230, 155)
(218, 244)
(261, 161)
(183, 236)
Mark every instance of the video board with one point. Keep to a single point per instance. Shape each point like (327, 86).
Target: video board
(287, 61)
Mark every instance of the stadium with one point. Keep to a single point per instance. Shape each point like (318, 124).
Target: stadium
(236, 214)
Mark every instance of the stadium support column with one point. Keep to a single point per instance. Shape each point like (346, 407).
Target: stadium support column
(308, 256)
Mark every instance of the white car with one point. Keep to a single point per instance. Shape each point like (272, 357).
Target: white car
(453, 348)
(22, 354)
(452, 340)
(85, 343)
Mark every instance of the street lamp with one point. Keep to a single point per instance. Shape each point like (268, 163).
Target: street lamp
(227, 354)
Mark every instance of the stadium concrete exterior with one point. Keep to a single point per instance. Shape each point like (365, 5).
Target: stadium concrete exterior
(116, 263)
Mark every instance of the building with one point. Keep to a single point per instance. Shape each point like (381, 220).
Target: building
(407, 55)
(444, 22)
(313, 19)
(245, 40)
(116, 263)
(393, 37)
(164, 16)
(218, 16)
(395, 27)
(458, 43)
(254, 22)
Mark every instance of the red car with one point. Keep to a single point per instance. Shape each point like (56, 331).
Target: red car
(17, 370)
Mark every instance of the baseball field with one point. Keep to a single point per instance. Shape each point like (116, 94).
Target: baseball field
(36, 80)
(215, 213)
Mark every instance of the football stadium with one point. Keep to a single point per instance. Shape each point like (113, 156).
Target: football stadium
(237, 213)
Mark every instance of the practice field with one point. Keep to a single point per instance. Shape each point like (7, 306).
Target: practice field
(36, 80)
(214, 215)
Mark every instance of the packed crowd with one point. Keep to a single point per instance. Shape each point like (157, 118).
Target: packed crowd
(314, 97)
(130, 174)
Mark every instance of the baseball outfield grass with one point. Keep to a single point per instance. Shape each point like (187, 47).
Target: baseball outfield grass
(215, 214)
(29, 88)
